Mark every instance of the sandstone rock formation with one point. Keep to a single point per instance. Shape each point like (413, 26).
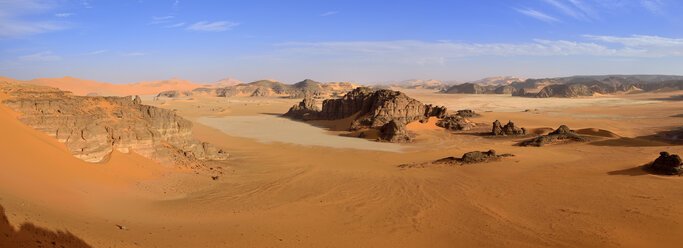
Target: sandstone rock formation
(563, 133)
(92, 127)
(374, 109)
(508, 129)
(395, 131)
(307, 109)
(669, 164)
(455, 122)
(263, 88)
(467, 113)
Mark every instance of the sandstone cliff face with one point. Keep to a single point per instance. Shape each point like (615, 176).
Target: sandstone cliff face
(92, 127)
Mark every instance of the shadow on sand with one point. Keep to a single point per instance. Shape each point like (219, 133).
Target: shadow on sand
(635, 171)
(664, 138)
(30, 235)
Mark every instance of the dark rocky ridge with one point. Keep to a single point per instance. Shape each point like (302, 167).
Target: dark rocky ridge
(92, 127)
(467, 158)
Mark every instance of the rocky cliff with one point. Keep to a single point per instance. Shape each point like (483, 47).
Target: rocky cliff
(263, 88)
(92, 127)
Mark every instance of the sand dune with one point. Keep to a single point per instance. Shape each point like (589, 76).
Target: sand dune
(291, 195)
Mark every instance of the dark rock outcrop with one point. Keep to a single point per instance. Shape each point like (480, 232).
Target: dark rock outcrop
(374, 109)
(508, 129)
(92, 127)
(669, 164)
(467, 158)
(274, 88)
(467, 113)
(169, 94)
(563, 133)
(455, 122)
(307, 109)
(395, 132)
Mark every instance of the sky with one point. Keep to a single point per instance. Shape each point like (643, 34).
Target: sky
(127, 41)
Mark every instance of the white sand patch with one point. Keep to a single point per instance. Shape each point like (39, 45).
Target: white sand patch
(270, 128)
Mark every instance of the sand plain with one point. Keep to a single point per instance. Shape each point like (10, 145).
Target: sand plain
(288, 194)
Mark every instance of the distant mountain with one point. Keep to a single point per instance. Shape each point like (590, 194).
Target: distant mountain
(271, 88)
(88, 87)
(503, 80)
(226, 82)
(575, 86)
(414, 84)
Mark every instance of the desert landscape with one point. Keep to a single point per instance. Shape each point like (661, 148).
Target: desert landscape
(265, 177)
(539, 123)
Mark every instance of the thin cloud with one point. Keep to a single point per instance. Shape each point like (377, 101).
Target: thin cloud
(176, 3)
(177, 25)
(212, 26)
(329, 13)
(161, 19)
(567, 10)
(13, 15)
(97, 52)
(41, 56)
(86, 4)
(64, 14)
(654, 6)
(133, 54)
(537, 15)
(421, 52)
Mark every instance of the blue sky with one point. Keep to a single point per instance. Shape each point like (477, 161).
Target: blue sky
(360, 41)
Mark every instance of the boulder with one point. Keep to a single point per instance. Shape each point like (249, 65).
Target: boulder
(669, 164)
(508, 129)
(467, 113)
(455, 122)
(395, 132)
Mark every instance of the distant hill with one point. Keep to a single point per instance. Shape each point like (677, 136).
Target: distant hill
(88, 87)
(270, 87)
(414, 84)
(575, 86)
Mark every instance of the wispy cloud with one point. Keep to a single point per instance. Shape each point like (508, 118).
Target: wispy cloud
(212, 26)
(97, 52)
(161, 19)
(329, 13)
(566, 9)
(14, 25)
(654, 6)
(177, 25)
(86, 4)
(64, 14)
(133, 54)
(439, 53)
(537, 15)
(176, 3)
(41, 56)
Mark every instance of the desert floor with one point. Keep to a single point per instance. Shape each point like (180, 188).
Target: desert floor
(294, 184)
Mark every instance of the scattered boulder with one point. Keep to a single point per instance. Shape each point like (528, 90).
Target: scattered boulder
(395, 132)
(307, 109)
(467, 113)
(509, 129)
(668, 164)
(563, 133)
(436, 111)
(169, 94)
(455, 122)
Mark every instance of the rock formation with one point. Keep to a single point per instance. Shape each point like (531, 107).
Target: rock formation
(455, 122)
(669, 164)
(92, 127)
(563, 133)
(395, 131)
(508, 129)
(467, 158)
(307, 109)
(467, 113)
(374, 109)
(274, 88)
